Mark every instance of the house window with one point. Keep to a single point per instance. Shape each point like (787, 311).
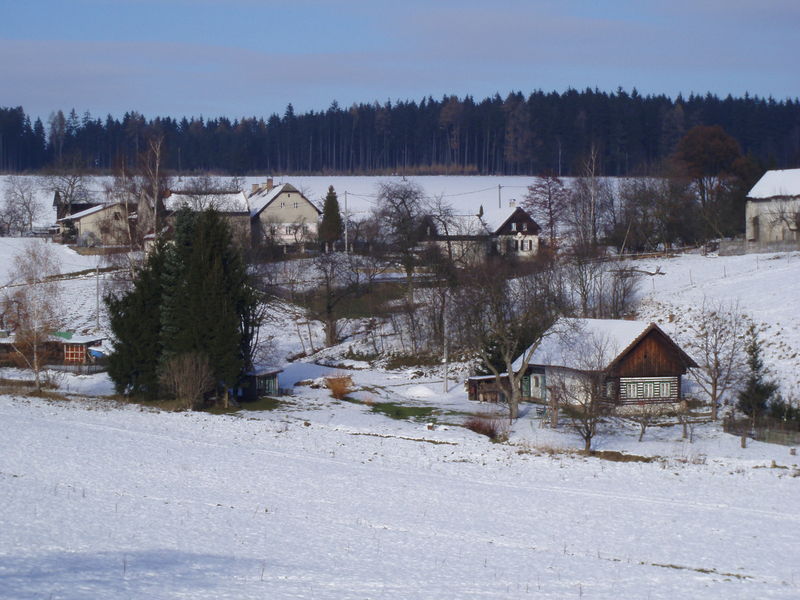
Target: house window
(288, 231)
(74, 353)
(283, 204)
(513, 226)
(535, 381)
(296, 205)
(665, 389)
(631, 390)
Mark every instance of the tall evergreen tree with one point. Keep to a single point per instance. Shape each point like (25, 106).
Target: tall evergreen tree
(136, 325)
(192, 297)
(207, 294)
(330, 230)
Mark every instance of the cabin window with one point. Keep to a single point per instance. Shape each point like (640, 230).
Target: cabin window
(536, 381)
(631, 390)
(513, 226)
(665, 389)
(73, 353)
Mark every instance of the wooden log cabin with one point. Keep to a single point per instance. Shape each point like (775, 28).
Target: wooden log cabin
(639, 363)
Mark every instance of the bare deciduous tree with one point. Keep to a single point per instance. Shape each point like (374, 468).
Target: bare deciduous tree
(546, 200)
(502, 318)
(717, 343)
(188, 377)
(20, 199)
(33, 304)
(581, 391)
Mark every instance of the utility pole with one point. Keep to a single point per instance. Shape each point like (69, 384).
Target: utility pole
(444, 339)
(346, 223)
(97, 296)
(499, 199)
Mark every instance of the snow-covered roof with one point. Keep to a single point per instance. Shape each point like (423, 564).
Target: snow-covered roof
(225, 202)
(259, 200)
(495, 218)
(779, 183)
(87, 212)
(585, 343)
(261, 370)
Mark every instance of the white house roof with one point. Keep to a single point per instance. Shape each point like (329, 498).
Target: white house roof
(496, 217)
(87, 212)
(577, 343)
(225, 202)
(779, 183)
(259, 201)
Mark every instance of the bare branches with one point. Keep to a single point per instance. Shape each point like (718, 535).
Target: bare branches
(717, 342)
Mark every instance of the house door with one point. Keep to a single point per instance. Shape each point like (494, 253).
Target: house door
(526, 386)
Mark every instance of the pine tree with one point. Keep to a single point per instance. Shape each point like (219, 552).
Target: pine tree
(207, 293)
(192, 298)
(330, 230)
(758, 391)
(136, 324)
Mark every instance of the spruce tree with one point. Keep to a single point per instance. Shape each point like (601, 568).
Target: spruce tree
(136, 326)
(758, 391)
(193, 297)
(207, 295)
(330, 230)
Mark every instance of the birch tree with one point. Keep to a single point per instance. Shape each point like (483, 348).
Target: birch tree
(33, 304)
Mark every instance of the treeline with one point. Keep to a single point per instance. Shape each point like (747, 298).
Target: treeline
(543, 132)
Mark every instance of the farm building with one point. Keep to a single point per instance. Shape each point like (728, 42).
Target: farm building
(638, 362)
(773, 211)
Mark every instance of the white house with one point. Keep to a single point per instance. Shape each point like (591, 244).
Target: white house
(282, 214)
(773, 209)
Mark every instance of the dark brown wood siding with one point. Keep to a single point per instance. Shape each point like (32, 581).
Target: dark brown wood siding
(652, 356)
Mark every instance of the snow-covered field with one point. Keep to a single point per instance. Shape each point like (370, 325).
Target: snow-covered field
(326, 501)
(321, 498)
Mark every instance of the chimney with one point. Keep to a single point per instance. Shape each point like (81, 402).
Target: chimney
(254, 188)
(512, 203)
(268, 184)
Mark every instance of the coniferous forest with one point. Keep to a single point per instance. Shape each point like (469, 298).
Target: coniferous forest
(543, 132)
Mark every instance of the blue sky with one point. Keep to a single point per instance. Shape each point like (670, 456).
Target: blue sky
(249, 57)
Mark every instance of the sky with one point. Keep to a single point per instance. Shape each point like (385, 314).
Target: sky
(240, 58)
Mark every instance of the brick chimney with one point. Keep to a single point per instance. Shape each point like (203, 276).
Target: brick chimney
(268, 184)
(254, 188)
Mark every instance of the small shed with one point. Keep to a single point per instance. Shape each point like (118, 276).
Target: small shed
(259, 382)
(78, 349)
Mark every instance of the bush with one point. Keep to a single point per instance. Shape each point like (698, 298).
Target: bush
(494, 429)
(339, 385)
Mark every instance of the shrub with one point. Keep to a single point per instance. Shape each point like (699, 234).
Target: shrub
(339, 385)
(494, 429)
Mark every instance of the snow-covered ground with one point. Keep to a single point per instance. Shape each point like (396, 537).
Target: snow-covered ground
(321, 502)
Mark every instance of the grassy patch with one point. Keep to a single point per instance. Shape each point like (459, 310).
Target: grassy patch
(400, 411)
(615, 456)
(262, 404)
